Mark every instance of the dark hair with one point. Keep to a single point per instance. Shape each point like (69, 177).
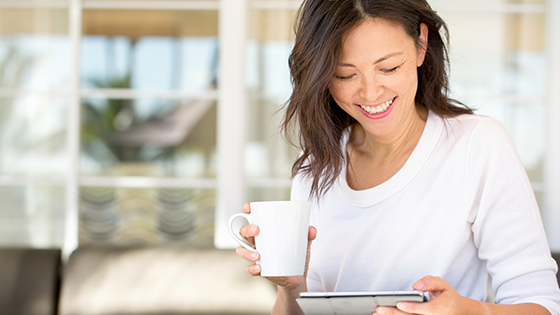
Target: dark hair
(320, 28)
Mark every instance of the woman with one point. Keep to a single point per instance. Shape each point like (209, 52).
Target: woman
(409, 188)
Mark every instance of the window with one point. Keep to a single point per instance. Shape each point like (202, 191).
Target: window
(148, 127)
(34, 76)
(151, 122)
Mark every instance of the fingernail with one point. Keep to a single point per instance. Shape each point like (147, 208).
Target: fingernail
(254, 256)
(380, 311)
(253, 270)
(402, 306)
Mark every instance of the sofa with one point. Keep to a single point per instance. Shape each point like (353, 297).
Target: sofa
(141, 281)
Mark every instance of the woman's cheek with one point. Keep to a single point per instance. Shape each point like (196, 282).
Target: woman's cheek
(402, 83)
(340, 91)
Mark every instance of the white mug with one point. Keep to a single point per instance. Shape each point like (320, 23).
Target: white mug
(282, 239)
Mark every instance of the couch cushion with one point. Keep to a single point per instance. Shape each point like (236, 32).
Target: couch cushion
(161, 281)
(29, 281)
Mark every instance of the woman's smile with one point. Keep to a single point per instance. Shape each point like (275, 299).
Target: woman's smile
(378, 111)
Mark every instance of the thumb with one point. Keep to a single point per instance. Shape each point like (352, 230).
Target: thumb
(312, 234)
(310, 237)
(430, 283)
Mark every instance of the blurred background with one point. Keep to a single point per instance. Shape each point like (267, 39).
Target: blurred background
(150, 122)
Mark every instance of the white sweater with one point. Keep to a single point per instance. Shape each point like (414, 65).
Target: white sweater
(460, 208)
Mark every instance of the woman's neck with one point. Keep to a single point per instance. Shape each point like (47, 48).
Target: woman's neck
(393, 145)
(373, 160)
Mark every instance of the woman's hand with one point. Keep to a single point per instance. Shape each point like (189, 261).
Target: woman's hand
(444, 301)
(248, 232)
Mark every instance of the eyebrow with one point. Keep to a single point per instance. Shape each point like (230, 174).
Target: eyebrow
(343, 64)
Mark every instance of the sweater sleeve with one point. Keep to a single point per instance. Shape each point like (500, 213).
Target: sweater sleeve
(507, 225)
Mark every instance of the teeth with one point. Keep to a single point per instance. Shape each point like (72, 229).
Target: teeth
(379, 109)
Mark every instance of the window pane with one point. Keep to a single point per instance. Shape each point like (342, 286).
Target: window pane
(33, 136)
(496, 54)
(32, 216)
(148, 137)
(271, 40)
(151, 50)
(150, 216)
(34, 49)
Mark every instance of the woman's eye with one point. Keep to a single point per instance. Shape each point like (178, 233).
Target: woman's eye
(347, 77)
(386, 71)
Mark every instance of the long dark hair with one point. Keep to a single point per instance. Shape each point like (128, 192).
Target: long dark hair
(320, 28)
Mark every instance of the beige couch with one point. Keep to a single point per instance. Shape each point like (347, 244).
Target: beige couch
(170, 280)
(140, 281)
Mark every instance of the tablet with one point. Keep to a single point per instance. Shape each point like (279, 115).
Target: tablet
(353, 303)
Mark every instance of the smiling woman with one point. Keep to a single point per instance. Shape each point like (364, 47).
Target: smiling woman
(376, 83)
(408, 188)
(325, 32)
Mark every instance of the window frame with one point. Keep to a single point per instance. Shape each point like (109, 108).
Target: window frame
(230, 183)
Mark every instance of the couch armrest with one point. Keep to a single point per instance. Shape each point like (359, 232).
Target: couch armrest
(29, 281)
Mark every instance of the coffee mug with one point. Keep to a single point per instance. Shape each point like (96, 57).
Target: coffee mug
(282, 239)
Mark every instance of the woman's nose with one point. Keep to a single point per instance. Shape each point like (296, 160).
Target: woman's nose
(370, 89)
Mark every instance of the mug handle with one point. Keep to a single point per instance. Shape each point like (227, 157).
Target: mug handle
(235, 235)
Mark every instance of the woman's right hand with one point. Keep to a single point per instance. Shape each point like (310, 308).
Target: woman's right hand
(248, 232)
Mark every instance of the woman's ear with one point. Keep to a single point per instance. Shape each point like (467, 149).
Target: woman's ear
(422, 44)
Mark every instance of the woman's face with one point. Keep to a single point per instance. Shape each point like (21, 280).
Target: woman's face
(376, 76)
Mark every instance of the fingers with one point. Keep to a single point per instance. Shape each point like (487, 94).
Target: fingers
(247, 254)
(253, 270)
(416, 308)
(430, 283)
(384, 310)
(434, 285)
(407, 308)
(444, 298)
(248, 232)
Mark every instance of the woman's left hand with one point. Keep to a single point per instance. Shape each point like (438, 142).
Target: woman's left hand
(444, 300)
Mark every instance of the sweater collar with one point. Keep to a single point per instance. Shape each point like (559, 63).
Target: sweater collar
(372, 196)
